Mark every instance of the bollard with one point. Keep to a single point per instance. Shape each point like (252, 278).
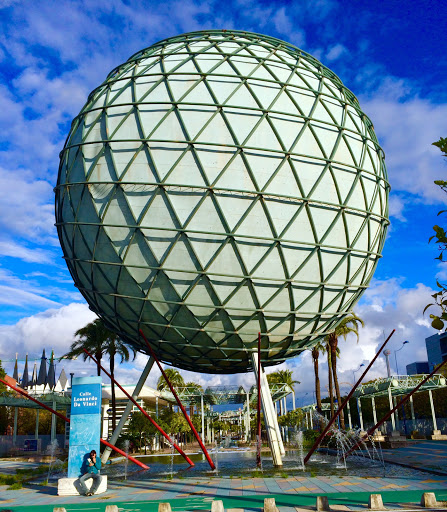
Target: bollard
(164, 507)
(428, 500)
(322, 504)
(217, 506)
(112, 508)
(375, 502)
(270, 505)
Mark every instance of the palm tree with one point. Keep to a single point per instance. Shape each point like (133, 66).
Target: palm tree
(349, 324)
(283, 377)
(99, 341)
(193, 390)
(174, 377)
(92, 338)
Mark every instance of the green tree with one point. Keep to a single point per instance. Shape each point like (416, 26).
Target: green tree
(440, 238)
(193, 390)
(174, 377)
(349, 324)
(293, 419)
(100, 341)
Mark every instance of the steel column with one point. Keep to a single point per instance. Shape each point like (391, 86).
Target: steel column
(53, 424)
(393, 422)
(114, 437)
(373, 404)
(269, 413)
(359, 407)
(202, 412)
(432, 405)
(248, 417)
(348, 408)
(311, 419)
(412, 411)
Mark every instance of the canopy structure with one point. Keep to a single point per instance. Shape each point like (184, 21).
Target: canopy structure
(398, 385)
(220, 395)
(56, 401)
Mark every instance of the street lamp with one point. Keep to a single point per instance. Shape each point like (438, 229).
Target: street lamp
(355, 371)
(395, 356)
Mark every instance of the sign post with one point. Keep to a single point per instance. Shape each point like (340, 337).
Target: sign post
(85, 422)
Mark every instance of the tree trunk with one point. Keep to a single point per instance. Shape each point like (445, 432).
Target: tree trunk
(98, 357)
(112, 373)
(315, 356)
(333, 344)
(331, 386)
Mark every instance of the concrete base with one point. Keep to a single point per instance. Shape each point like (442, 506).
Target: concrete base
(378, 437)
(396, 440)
(70, 486)
(437, 436)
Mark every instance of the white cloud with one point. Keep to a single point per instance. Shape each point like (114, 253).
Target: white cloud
(335, 52)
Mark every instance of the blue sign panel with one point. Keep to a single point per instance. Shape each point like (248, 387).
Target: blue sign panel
(86, 399)
(85, 423)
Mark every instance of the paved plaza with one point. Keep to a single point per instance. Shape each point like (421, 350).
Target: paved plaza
(291, 493)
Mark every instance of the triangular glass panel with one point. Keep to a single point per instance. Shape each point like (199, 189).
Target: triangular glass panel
(337, 235)
(241, 122)
(165, 155)
(181, 281)
(304, 100)
(320, 113)
(194, 120)
(233, 207)
(170, 129)
(281, 71)
(307, 145)
(263, 165)
(200, 94)
(331, 299)
(159, 241)
(188, 66)
(140, 169)
(264, 137)
(184, 202)
(287, 127)
(122, 153)
(160, 214)
(181, 257)
(300, 230)
(327, 137)
(350, 120)
(242, 300)
(242, 97)
(338, 276)
(335, 108)
(358, 230)
(251, 252)
(227, 263)
(281, 212)
(206, 61)
(147, 90)
(187, 172)
(255, 223)
(127, 128)
(121, 92)
(105, 277)
(213, 160)
(342, 154)
(104, 168)
(357, 266)
(101, 194)
(357, 197)
(220, 322)
(310, 270)
(224, 286)
(244, 64)
(357, 147)
(284, 183)
(205, 246)
(150, 116)
(207, 218)
(204, 295)
(325, 190)
(306, 299)
(271, 267)
(280, 303)
(236, 176)
(369, 186)
(182, 85)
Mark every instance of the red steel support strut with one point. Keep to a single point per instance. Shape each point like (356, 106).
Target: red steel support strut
(259, 444)
(185, 414)
(162, 432)
(388, 414)
(336, 415)
(59, 415)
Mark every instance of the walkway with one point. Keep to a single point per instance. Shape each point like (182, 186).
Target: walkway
(291, 493)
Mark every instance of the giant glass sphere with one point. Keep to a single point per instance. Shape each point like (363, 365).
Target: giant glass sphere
(216, 185)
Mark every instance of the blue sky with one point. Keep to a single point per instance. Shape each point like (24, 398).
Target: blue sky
(52, 54)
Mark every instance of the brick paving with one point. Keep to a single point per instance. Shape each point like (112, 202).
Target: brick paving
(292, 493)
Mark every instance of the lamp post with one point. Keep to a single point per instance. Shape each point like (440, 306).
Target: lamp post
(387, 353)
(395, 356)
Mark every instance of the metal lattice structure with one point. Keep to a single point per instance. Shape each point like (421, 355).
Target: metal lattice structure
(216, 185)
(399, 385)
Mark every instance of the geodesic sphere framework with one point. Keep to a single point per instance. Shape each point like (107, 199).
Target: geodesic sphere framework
(216, 185)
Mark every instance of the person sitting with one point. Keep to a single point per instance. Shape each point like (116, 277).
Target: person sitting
(92, 471)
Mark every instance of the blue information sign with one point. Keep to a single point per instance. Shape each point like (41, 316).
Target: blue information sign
(85, 423)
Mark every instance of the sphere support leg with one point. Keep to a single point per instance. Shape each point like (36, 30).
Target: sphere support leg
(270, 419)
